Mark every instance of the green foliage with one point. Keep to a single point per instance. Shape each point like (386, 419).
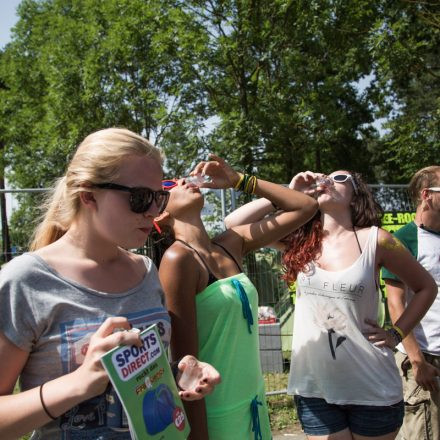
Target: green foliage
(76, 66)
(212, 218)
(405, 45)
(281, 77)
(24, 220)
(266, 276)
(282, 411)
(270, 86)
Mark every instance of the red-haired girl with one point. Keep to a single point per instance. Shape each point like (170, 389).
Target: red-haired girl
(343, 375)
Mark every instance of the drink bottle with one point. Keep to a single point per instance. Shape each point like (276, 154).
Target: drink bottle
(322, 183)
(198, 179)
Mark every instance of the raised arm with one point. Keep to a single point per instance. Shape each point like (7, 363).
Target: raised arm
(250, 212)
(398, 260)
(257, 209)
(294, 208)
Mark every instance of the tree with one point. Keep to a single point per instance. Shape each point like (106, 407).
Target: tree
(406, 50)
(270, 86)
(6, 243)
(281, 79)
(76, 66)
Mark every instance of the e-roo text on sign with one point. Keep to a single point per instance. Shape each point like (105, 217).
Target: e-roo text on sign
(392, 221)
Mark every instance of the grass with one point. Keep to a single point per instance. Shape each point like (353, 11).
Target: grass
(282, 411)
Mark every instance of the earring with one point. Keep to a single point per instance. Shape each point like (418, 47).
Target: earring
(157, 227)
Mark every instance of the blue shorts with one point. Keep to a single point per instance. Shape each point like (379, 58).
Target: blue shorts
(318, 417)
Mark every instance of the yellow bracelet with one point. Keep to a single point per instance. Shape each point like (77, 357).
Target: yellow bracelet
(247, 187)
(254, 185)
(399, 330)
(237, 185)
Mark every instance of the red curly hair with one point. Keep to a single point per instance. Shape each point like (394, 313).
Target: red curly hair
(302, 246)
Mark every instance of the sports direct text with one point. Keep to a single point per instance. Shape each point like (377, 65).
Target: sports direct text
(129, 361)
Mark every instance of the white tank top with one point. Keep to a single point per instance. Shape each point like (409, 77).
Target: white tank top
(331, 358)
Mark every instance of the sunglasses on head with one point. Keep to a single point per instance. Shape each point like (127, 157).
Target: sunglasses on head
(341, 178)
(168, 184)
(140, 198)
(434, 188)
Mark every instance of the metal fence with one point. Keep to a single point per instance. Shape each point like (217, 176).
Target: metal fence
(264, 269)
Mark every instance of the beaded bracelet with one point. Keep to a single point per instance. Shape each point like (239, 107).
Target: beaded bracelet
(395, 334)
(44, 405)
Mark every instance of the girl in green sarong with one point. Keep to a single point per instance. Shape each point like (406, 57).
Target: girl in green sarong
(213, 304)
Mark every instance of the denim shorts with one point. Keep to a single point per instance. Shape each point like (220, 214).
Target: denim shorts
(317, 417)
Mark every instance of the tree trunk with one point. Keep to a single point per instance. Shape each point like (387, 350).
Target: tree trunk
(6, 243)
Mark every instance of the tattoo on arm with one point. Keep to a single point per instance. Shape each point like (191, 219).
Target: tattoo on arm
(392, 244)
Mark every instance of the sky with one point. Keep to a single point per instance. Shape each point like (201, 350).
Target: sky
(7, 19)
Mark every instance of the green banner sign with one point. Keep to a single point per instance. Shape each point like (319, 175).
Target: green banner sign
(392, 221)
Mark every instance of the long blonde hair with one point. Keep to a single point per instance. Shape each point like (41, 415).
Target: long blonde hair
(97, 160)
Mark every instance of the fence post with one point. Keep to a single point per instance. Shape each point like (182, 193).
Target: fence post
(6, 242)
(223, 200)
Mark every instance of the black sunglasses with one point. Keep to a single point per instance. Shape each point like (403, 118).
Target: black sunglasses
(140, 198)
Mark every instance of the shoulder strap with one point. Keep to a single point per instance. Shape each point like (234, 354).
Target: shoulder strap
(201, 258)
(235, 261)
(211, 277)
(357, 240)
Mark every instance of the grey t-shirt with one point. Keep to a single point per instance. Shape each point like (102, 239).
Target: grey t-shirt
(53, 318)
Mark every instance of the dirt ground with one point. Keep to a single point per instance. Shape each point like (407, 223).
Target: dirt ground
(292, 433)
(292, 429)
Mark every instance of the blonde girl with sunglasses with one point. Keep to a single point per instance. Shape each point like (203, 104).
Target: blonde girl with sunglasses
(80, 290)
(343, 375)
